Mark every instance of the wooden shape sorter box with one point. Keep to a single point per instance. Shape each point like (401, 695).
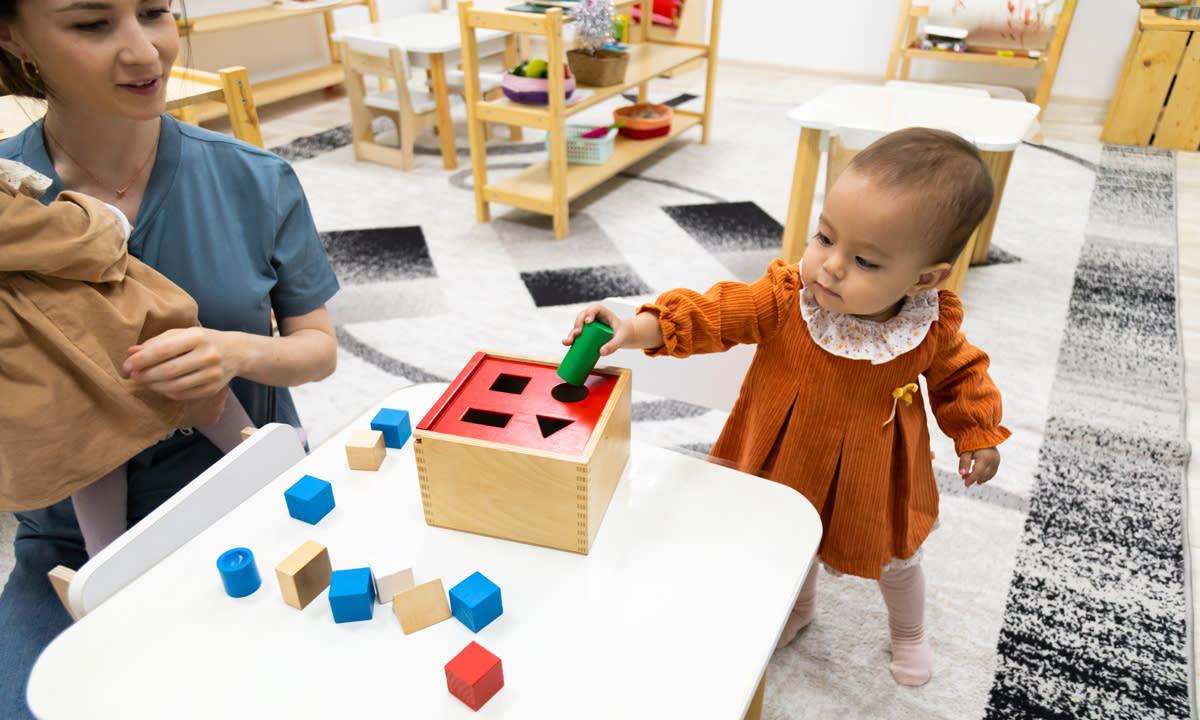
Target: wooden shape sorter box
(499, 455)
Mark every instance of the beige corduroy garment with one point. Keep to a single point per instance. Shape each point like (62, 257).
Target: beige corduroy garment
(72, 301)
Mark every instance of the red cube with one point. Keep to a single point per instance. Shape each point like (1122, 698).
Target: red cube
(474, 675)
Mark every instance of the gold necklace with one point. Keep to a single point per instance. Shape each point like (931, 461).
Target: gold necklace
(120, 192)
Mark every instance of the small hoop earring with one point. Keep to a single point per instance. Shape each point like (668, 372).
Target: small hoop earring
(32, 73)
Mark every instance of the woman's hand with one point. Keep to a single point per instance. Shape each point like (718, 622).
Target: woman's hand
(185, 363)
(979, 466)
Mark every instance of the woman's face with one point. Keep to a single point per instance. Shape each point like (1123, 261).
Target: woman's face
(106, 56)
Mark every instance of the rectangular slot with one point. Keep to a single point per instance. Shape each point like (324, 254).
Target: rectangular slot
(514, 384)
(486, 417)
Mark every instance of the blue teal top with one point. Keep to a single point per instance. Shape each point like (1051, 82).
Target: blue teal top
(228, 223)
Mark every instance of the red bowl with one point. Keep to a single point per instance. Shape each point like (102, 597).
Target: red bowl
(641, 128)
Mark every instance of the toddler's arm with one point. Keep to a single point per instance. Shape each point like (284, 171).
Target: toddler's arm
(640, 331)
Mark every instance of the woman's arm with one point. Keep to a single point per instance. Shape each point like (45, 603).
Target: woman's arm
(192, 363)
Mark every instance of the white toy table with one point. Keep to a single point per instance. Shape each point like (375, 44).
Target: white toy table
(674, 614)
(995, 126)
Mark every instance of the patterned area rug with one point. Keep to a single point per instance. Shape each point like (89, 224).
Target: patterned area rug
(1097, 614)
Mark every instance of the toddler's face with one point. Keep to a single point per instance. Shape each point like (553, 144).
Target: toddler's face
(869, 251)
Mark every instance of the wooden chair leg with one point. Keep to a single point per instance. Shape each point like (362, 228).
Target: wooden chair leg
(60, 578)
(408, 131)
(239, 101)
(898, 40)
(360, 119)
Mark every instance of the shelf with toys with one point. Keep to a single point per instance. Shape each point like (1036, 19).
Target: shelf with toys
(549, 186)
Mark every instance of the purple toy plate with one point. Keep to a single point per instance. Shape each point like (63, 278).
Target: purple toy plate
(534, 91)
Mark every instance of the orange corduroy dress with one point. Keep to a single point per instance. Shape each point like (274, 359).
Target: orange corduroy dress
(814, 421)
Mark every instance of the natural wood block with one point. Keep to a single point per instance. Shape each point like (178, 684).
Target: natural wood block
(365, 450)
(422, 606)
(499, 455)
(60, 578)
(247, 432)
(388, 586)
(304, 574)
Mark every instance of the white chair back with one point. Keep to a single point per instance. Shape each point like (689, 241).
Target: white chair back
(258, 460)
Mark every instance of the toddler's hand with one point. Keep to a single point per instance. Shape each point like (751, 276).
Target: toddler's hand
(979, 466)
(597, 311)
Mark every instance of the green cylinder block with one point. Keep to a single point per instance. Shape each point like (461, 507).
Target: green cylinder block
(584, 353)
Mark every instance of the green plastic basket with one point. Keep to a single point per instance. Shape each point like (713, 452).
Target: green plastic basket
(587, 151)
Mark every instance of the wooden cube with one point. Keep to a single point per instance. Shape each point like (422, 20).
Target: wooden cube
(247, 432)
(304, 574)
(421, 606)
(388, 586)
(499, 455)
(365, 449)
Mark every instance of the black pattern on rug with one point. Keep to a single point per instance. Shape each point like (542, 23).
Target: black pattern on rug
(375, 254)
(1096, 623)
(566, 286)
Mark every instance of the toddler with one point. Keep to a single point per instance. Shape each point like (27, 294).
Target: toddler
(831, 404)
(73, 303)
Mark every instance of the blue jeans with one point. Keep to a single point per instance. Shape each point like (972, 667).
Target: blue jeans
(30, 612)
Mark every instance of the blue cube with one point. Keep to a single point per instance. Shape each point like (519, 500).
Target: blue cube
(309, 499)
(395, 426)
(476, 601)
(351, 595)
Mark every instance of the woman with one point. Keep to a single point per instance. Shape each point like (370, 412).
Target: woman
(225, 221)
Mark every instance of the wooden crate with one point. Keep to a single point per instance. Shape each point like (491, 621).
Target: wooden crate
(1157, 100)
(498, 455)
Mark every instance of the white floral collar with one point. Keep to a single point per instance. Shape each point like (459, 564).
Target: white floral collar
(857, 339)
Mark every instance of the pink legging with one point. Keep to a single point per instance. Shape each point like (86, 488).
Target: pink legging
(100, 506)
(903, 591)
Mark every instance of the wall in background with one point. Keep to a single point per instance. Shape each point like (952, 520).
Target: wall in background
(850, 37)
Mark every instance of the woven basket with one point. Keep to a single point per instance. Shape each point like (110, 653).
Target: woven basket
(606, 67)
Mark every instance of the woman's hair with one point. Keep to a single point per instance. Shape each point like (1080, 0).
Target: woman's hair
(12, 74)
(945, 175)
(12, 77)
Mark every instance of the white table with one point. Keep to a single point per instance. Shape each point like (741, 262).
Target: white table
(995, 126)
(674, 614)
(432, 41)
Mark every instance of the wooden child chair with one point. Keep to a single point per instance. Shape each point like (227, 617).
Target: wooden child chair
(411, 107)
(411, 110)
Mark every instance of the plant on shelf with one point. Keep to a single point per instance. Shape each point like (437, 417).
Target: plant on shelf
(593, 63)
(593, 24)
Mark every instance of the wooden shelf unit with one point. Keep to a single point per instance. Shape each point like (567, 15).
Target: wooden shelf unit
(1157, 98)
(549, 186)
(972, 56)
(904, 49)
(286, 86)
